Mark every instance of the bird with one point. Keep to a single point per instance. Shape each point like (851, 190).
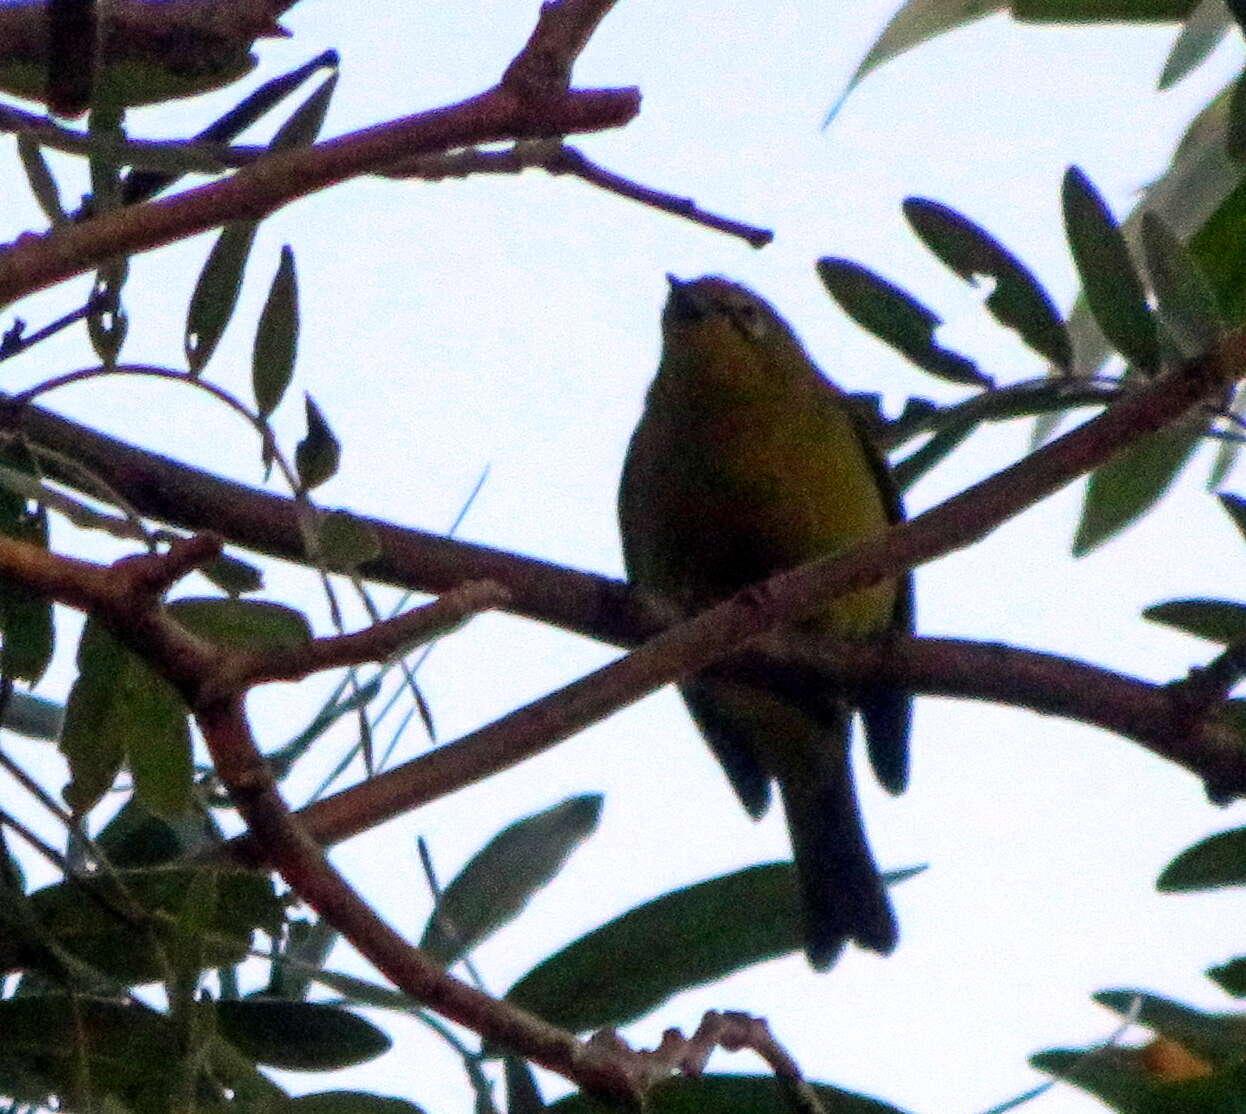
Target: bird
(748, 461)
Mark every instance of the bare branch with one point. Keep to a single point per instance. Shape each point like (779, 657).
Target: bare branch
(556, 157)
(378, 642)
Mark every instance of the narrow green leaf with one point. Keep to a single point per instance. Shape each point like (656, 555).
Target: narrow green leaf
(1205, 26)
(276, 337)
(233, 575)
(1018, 301)
(915, 23)
(1211, 864)
(304, 124)
(39, 175)
(1193, 196)
(142, 185)
(93, 749)
(1235, 138)
(1235, 507)
(1228, 451)
(299, 1036)
(25, 618)
(308, 944)
(118, 708)
(523, 1096)
(158, 748)
(133, 837)
(346, 541)
(629, 966)
(1216, 1037)
(896, 318)
(1131, 483)
(1186, 303)
(1102, 11)
(317, 456)
(1220, 621)
(730, 1094)
(500, 879)
(34, 716)
(348, 1102)
(1230, 977)
(108, 325)
(242, 624)
(1124, 1080)
(124, 1044)
(1109, 281)
(216, 292)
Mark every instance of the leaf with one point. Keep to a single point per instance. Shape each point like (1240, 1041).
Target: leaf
(317, 456)
(299, 1036)
(308, 944)
(895, 318)
(34, 717)
(216, 292)
(242, 624)
(1102, 11)
(1230, 977)
(304, 124)
(25, 618)
(39, 176)
(346, 541)
(1186, 303)
(82, 917)
(502, 877)
(729, 1094)
(1235, 508)
(1235, 137)
(1204, 27)
(52, 1037)
(1216, 1037)
(523, 1096)
(1018, 301)
(233, 575)
(627, 967)
(1213, 248)
(276, 337)
(347, 1102)
(142, 185)
(915, 23)
(1109, 281)
(1211, 864)
(1229, 449)
(1220, 621)
(1199, 179)
(133, 837)
(107, 324)
(1127, 1080)
(118, 708)
(1131, 483)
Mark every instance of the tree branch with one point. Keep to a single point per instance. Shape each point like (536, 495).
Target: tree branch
(521, 106)
(1158, 719)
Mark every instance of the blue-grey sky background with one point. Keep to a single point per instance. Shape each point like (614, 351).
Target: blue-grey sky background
(513, 323)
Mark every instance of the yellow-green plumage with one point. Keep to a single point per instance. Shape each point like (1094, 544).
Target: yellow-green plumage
(747, 461)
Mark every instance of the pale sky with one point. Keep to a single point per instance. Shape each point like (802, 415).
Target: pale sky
(512, 323)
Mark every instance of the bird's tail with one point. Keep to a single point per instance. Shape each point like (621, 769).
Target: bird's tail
(843, 896)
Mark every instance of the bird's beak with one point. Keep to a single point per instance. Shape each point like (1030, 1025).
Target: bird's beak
(683, 303)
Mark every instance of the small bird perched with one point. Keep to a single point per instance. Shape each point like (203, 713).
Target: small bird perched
(748, 461)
